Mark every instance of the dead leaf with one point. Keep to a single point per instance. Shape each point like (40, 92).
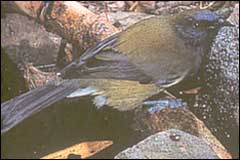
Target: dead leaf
(83, 150)
(191, 91)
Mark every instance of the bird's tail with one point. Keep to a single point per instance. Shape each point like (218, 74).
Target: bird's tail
(16, 110)
(119, 94)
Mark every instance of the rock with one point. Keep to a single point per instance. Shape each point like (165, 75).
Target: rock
(224, 58)
(218, 102)
(170, 144)
(27, 41)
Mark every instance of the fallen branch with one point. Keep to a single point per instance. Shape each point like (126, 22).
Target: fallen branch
(70, 20)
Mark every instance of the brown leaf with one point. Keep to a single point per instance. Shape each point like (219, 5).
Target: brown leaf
(83, 150)
(191, 91)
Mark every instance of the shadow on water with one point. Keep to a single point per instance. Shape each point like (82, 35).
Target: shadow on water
(70, 122)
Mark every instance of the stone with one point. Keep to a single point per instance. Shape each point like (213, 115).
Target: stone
(170, 144)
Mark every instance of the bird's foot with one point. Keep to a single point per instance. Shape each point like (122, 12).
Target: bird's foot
(161, 104)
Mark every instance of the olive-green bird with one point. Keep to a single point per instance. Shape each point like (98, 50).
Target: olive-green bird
(127, 68)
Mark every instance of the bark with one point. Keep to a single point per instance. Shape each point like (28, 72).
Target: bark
(70, 20)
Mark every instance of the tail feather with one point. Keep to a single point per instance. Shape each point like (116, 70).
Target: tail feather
(16, 110)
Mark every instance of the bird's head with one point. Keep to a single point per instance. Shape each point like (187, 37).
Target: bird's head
(199, 25)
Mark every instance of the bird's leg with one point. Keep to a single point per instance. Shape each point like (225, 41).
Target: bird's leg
(161, 104)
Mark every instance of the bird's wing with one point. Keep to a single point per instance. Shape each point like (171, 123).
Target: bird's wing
(103, 61)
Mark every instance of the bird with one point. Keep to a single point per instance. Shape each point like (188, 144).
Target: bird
(128, 67)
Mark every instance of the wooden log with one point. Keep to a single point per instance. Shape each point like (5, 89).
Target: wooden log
(70, 20)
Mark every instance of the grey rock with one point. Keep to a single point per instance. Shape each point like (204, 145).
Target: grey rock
(170, 144)
(222, 75)
(27, 41)
(218, 101)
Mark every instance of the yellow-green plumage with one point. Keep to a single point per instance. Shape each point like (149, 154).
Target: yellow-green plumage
(154, 47)
(120, 94)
